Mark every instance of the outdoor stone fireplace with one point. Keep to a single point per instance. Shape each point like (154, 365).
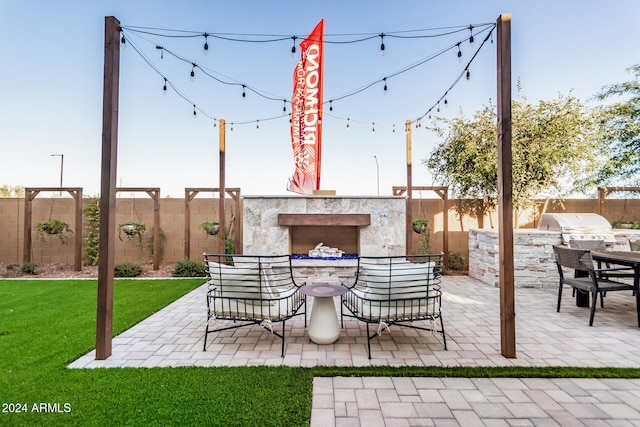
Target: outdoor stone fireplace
(370, 226)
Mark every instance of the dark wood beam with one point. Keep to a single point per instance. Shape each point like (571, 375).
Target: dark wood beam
(106, 249)
(505, 190)
(324, 219)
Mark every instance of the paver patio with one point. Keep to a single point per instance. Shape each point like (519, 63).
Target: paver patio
(174, 337)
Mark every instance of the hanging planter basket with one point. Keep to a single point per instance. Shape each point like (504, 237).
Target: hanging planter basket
(52, 227)
(210, 227)
(132, 228)
(420, 225)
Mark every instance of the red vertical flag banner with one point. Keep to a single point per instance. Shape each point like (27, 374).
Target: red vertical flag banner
(306, 116)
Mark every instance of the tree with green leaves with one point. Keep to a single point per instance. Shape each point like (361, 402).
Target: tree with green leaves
(11, 191)
(552, 143)
(619, 134)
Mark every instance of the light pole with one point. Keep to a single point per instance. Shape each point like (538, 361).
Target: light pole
(61, 168)
(377, 174)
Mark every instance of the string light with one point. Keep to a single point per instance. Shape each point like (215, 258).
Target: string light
(293, 48)
(459, 52)
(373, 127)
(284, 106)
(466, 71)
(382, 42)
(123, 41)
(215, 122)
(231, 126)
(257, 124)
(206, 42)
(194, 111)
(394, 128)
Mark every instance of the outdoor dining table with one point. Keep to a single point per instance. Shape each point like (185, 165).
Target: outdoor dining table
(627, 259)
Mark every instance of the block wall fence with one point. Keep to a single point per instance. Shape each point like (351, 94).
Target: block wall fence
(206, 209)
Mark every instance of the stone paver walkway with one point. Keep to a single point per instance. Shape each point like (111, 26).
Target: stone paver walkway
(174, 337)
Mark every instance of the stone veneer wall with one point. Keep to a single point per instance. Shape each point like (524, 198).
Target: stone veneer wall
(383, 237)
(534, 263)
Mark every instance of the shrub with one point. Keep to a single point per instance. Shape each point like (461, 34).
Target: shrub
(11, 267)
(189, 268)
(127, 269)
(456, 262)
(92, 231)
(28, 268)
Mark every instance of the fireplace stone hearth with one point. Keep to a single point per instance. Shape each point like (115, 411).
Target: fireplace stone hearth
(370, 226)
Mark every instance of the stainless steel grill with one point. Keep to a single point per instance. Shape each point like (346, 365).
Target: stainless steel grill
(578, 226)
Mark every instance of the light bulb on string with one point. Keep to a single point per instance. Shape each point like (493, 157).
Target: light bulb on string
(244, 93)
(123, 42)
(468, 74)
(206, 43)
(164, 88)
(445, 99)
(393, 128)
(231, 126)
(348, 119)
(194, 111)
(471, 36)
(373, 127)
(293, 48)
(459, 53)
(257, 125)
(382, 43)
(161, 51)
(284, 105)
(193, 72)
(331, 105)
(215, 122)
(385, 85)
(438, 106)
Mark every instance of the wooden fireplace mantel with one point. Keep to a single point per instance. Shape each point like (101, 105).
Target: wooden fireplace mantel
(324, 219)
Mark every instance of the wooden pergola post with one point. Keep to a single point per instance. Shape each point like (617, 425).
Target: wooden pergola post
(154, 193)
(409, 209)
(604, 191)
(104, 318)
(29, 195)
(222, 138)
(505, 188)
(189, 195)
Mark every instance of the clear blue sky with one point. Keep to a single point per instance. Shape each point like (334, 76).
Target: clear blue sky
(52, 70)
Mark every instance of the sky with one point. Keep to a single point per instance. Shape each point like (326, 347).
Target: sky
(52, 57)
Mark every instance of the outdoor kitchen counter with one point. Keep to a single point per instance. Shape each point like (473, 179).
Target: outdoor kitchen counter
(534, 263)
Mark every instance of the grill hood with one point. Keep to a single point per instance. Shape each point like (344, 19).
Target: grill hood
(578, 226)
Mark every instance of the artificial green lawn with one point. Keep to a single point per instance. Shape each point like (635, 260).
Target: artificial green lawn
(45, 324)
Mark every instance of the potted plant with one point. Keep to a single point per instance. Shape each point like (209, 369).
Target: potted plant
(52, 227)
(133, 231)
(210, 227)
(131, 228)
(626, 224)
(420, 225)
